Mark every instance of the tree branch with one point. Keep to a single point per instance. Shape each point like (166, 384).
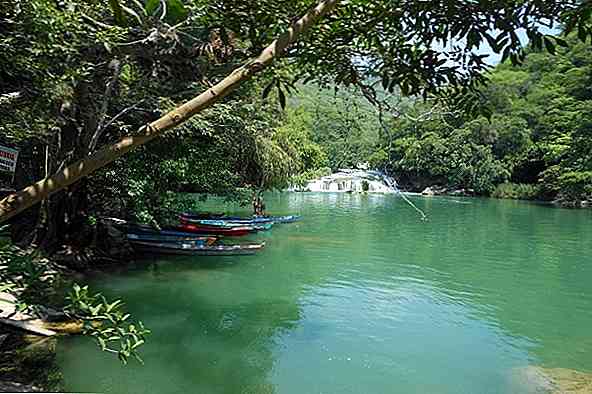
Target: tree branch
(115, 65)
(123, 112)
(18, 202)
(7, 98)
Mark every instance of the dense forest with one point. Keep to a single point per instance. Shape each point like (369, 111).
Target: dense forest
(248, 96)
(535, 144)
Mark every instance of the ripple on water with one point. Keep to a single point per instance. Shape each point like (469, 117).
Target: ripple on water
(362, 296)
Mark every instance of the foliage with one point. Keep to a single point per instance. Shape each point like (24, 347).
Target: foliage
(575, 185)
(87, 72)
(225, 151)
(538, 134)
(516, 191)
(107, 323)
(27, 274)
(299, 181)
(365, 186)
(35, 283)
(338, 129)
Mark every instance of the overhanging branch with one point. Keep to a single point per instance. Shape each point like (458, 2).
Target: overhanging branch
(18, 202)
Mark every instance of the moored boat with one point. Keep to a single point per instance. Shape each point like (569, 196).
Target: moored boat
(228, 224)
(161, 238)
(264, 219)
(192, 249)
(203, 229)
(237, 220)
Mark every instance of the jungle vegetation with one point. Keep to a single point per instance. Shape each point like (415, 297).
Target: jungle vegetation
(535, 142)
(85, 85)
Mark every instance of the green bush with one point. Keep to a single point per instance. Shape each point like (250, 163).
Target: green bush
(300, 180)
(34, 282)
(575, 185)
(516, 191)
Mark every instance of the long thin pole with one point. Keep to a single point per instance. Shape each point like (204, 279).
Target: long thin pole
(18, 202)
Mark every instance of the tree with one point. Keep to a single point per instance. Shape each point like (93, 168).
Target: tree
(536, 137)
(342, 123)
(362, 39)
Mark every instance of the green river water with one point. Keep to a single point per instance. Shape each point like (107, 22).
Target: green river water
(361, 296)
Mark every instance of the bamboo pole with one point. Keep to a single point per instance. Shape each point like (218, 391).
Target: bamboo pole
(18, 202)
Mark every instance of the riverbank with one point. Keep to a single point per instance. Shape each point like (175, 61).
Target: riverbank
(28, 362)
(520, 192)
(40, 302)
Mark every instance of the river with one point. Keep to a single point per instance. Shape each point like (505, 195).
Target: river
(361, 296)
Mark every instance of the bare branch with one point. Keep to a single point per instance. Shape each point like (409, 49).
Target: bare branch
(164, 9)
(121, 113)
(8, 98)
(96, 22)
(115, 65)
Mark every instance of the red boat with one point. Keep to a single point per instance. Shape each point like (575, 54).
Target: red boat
(202, 229)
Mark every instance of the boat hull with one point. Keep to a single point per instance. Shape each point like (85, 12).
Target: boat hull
(238, 221)
(228, 231)
(161, 238)
(228, 224)
(193, 250)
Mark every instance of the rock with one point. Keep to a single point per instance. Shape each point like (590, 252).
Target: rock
(11, 387)
(434, 191)
(428, 192)
(9, 315)
(533, 379)
(67, 327)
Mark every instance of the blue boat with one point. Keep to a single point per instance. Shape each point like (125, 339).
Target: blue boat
(172, 238)
(149, 231)
(191, 249)
(237, 220)
(265, 219)
(262, 226)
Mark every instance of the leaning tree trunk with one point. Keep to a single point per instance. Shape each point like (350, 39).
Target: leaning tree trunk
(33, 194)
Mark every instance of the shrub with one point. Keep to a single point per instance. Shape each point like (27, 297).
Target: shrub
(516, 191)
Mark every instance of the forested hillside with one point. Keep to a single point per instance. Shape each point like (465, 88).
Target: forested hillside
(537, 144)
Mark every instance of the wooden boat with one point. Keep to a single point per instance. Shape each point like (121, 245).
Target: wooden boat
(204, 215)
(192, 249)
(161, 238)
(236, 220)
(242, 220)
(227, 224)
(264, 219)
(203, 229)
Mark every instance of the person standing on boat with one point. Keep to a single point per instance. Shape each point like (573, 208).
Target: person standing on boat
(261, 207)
(258, 205)
(255, 203)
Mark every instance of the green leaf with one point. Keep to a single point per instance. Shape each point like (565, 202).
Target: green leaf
(117, 12)
(582, 33)
(267, 89)
(282, 98)
(561, 42)
(506, 53)
(175, 10)
(549, 45)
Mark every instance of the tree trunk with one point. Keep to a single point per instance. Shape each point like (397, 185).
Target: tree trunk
(33, 194)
